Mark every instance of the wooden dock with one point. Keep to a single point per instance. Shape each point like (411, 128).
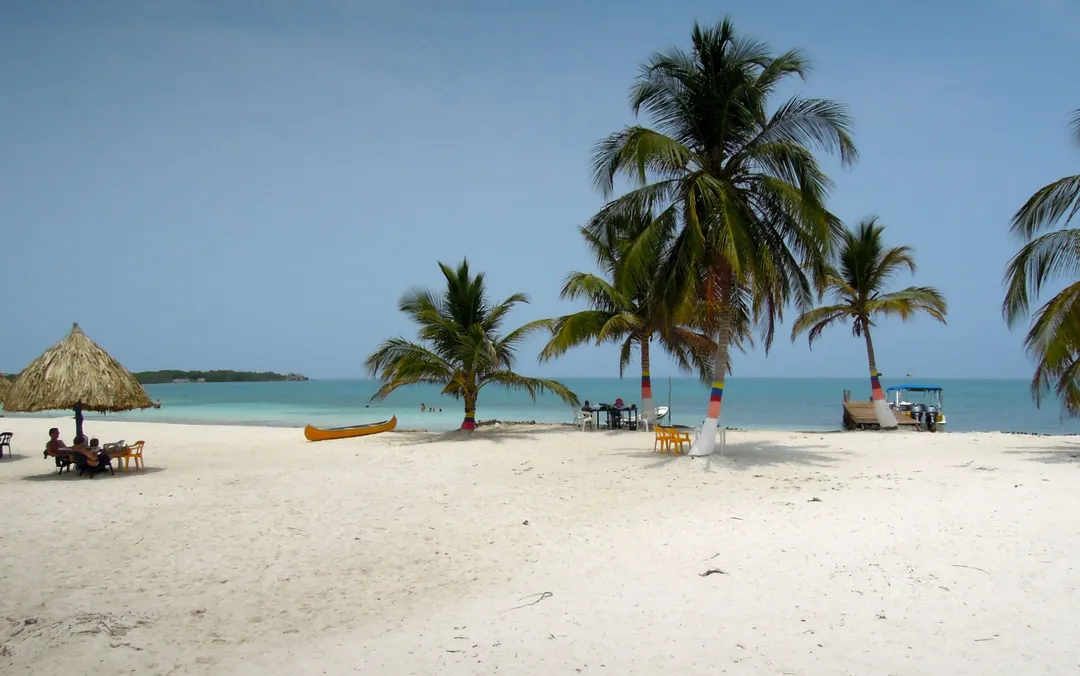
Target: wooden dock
(860, 415)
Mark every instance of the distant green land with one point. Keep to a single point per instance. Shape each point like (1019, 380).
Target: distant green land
(174, 376)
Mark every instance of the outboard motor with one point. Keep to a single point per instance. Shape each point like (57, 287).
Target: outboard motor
(917, 412)
(931, 419)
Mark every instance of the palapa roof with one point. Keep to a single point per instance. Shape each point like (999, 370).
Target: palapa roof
(75, 371)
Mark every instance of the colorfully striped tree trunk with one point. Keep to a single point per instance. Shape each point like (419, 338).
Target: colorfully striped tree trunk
(469, 423)
(648, 411)
(886, 417)
(706, 441)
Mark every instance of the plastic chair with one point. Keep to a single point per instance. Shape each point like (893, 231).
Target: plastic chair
(721, 437)
(133, 452)
(5, 442)
(588, 419)
(679, 439)
(662, 440)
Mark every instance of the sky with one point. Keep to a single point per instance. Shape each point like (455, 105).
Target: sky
(253, 184)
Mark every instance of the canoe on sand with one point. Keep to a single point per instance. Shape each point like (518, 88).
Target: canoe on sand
(317, 434)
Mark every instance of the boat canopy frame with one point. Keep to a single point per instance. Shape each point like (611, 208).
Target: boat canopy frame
(915, 388)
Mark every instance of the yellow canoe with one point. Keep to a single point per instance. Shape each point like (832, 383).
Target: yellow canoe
(317, 434)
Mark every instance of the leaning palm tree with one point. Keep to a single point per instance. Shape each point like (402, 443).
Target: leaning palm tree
(864, 267)
(460, 346)
(743, 184)
(1047, 256)
(625, 305)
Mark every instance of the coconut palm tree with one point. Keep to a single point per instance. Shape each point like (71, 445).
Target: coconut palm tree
(743, 184)
(857, 282)
(1048, 256)
(460, 346)
(625, 306)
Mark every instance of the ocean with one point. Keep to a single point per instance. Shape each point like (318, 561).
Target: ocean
(811, 404)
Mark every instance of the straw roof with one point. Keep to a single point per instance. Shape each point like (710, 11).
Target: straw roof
(4, 385)
(75, 371)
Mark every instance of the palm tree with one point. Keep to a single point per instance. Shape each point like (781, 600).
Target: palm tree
(743, 184)
(864, 267)
(459, 346)
(625, 306)
(1053, 339)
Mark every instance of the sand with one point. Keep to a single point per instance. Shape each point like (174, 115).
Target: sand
(246, 550)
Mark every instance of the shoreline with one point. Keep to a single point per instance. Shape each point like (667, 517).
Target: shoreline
(493, 423)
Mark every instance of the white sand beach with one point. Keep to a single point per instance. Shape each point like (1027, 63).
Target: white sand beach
(244, 550)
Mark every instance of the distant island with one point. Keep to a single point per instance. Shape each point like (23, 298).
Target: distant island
(173, 376)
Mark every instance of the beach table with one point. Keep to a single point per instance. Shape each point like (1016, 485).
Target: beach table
(595, 410)
(615, 416)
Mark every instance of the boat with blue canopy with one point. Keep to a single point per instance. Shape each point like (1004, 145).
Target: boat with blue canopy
(922, 403)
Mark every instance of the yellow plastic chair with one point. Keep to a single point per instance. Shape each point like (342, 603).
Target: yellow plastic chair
(677, 440)
(663, 439)
(133, 452)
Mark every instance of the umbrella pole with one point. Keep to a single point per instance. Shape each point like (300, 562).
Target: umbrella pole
(78, 420)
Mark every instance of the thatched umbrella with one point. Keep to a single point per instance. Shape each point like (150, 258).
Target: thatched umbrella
(4, 385)
(77, 374)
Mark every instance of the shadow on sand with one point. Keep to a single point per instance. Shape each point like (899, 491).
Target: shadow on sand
(750, 455)
(73, 475)
(492, 434)
(14, 457)
(1054, 453)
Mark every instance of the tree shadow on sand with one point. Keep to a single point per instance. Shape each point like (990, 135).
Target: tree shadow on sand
(1059, 453)
(747, 455)
(492, 434)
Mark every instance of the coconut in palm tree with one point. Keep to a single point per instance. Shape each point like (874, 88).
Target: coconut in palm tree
(459, 346)
(744, 185)
(625, 305)
(857, 283)
(1049, 255)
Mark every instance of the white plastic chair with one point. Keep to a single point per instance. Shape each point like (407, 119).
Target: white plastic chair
(721, 437)
(586, 419)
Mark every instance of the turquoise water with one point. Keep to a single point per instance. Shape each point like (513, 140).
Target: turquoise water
(752, 403)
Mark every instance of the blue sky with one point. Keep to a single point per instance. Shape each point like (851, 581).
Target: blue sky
(252, 185)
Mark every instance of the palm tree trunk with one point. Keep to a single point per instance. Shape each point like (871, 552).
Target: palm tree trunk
(647, 409)
(886, 418)
(706, 442)
(469, 423)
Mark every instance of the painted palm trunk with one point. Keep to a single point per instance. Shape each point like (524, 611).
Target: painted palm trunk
(469, 423)
(885, 416)
(647, 408)
(706, 441)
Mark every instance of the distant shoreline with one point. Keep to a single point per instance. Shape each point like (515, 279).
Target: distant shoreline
(178, 377)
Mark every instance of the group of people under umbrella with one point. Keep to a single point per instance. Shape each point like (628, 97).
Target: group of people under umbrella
(78, 375)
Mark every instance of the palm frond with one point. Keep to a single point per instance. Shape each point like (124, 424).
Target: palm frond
(637, 153)
(1054, 343)
(815, 321)
(398, 362)
(814, 124)
(908, 303)
(573, 330)
(1053, 203)
(599, 292)
(1046, 258)
(514, 381)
